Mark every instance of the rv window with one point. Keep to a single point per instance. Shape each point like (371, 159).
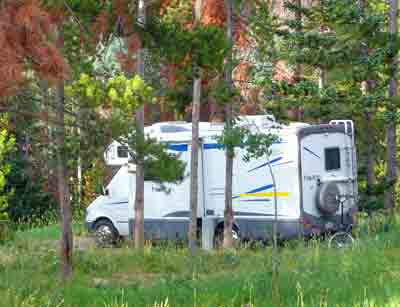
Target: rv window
(173, 129)
(332, 158)
(122, 152)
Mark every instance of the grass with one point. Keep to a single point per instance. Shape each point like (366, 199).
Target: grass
(312, 275)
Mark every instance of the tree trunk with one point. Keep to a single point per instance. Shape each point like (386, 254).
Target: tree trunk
(366, 88)
(321, 86)
(139, 191)
(321, 79)
(391, 172)
(79, 159)
(47, 155)
(194, 157)
(299, 70)
(275, 250)
(228, 213)
(370, 152)
(229, 152)
(66, 241)
(194, 165)
(79, 175)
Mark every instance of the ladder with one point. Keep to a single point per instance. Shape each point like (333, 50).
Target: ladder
(349, 130)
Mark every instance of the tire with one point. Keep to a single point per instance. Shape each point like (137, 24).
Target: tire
(341, 240)
(105, 233)
(327, 198)
(219, 237)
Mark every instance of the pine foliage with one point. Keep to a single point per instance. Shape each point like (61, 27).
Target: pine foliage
(25, 29)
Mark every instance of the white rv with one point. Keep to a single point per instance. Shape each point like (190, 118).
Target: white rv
(314, 166)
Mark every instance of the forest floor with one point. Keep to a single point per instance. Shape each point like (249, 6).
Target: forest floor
(311, 274)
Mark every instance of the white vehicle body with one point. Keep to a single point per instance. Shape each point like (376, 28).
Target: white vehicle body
(312, 164)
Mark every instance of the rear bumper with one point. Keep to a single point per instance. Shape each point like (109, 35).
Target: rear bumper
(327, 224)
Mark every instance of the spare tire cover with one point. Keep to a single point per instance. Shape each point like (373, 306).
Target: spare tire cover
(327, 198)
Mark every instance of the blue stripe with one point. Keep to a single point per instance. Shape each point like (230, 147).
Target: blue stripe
(311, 152)
(260, 189)
(269, 162)
(256, 200)
(178, 147)
(213, 146)
(220, 146)
(264, 188)
(117, 203)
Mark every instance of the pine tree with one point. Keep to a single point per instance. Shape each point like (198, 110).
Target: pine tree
(66, 240)
(344, 51)
(391, 174)
(229, 152)
(139, 189)
(194, 157)
(24, 31)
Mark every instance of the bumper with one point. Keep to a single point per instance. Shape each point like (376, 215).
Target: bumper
(326, 224)
(89, 226)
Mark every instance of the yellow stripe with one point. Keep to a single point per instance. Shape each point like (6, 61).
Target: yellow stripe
(266, 194)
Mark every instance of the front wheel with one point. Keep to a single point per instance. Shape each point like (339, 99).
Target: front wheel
(105, 233)
(340, 240)
(219, 238)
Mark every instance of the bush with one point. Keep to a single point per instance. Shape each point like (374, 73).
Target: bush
(29, 204)
(5, 231)
(6, 148)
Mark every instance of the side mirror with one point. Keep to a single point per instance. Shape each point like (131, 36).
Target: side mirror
(105, 191)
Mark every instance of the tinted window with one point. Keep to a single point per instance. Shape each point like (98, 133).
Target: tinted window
(332, 158)
(122, 152)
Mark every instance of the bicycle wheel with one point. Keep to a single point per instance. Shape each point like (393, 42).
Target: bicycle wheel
(340, 240)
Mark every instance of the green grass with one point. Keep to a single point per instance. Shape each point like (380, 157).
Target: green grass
(313, 275)
(46, 233)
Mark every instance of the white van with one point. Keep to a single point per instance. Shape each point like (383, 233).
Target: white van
(313, 165)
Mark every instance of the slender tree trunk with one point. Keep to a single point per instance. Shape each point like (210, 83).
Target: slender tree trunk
(370, 132)
(139, 191)
(370, 151)
(275, 250)
(194, 165)
(366, 88)
(391, 173)
(228, 213)
(321, 86)
(229, 152)
(321, 79)
(79, 160)
(47, 155)
(66, 241)
(299, 70)
(194, 158)
(79, 178)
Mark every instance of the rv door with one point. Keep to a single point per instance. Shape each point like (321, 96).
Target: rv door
(327, 170)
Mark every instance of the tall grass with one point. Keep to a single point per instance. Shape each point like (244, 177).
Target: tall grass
(310, 275)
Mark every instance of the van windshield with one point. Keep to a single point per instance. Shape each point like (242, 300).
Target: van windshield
(122, 152)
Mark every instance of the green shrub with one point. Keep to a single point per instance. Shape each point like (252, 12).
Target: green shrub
(6, 233)
(6, 147)
(28, 205)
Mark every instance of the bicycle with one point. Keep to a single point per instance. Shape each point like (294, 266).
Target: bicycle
(342, 237)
